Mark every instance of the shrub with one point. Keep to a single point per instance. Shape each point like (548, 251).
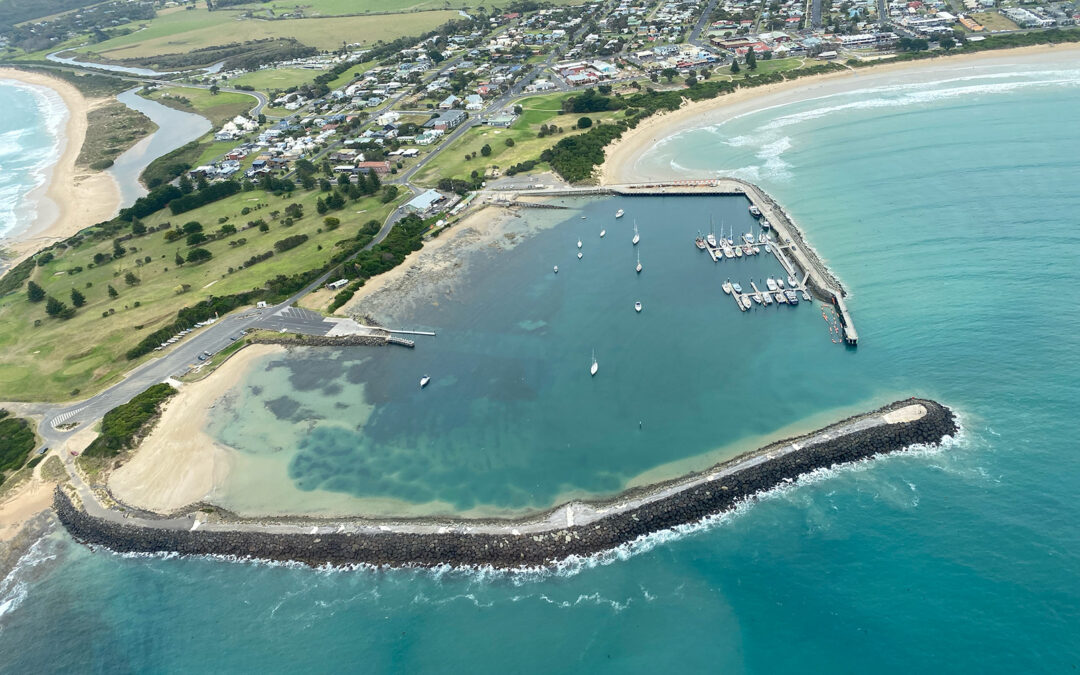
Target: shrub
(121, 426)
(287, 243)
(198, 255)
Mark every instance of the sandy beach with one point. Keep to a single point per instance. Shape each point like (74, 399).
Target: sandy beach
(179, 463)
(79, 198)
(623, 156)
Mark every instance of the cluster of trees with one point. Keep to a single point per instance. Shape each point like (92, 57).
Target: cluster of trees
(403, 239)
(16, 442)
(122, 426)
(367, 184)
(287, 243)
(210, 193)
(546, 130)
(575, 157)
(589, 101)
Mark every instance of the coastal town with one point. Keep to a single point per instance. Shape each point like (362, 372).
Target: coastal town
(418, 319)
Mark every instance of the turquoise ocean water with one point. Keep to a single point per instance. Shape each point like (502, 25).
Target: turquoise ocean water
(949, 211)
(30, 142)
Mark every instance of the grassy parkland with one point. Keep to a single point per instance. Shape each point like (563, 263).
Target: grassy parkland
(70, 316)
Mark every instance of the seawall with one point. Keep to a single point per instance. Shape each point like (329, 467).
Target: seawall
(530, 543)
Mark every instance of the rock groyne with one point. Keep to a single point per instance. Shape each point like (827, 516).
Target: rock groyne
(890, 429)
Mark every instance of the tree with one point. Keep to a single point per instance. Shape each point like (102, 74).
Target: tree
(179, 260)
(185, 185)
(734, 67)
(130, 279)
(343, 179)
(112, 291)
(196, 238)
(198, 255)
(320, 206)
(331, 223)
(34, 293)
(486, 150)
(751, 59)
(193, 226)
(947, 43)
(214, 90)
(691, 81)
(118, 249)
(54, 307)
(509, 142)
(137, 228)
(584, 123)
(77, 298)
(263, 227)
(654, 77)
(669, 73)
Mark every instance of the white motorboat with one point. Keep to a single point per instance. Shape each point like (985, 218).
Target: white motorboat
(579, 243)
(637, 306)
(638, 268)
(771, 283)
(710, 239)
(791, 297)
(595, 366)
(756, 297)
(556, 269)
(619, 213)
(806, 296)
(637, 237)
(737, 288)
(727, 287)
(780, 283)
(792, 282)
(579, 255)
(779, 297)
(746, 302)
(755, 211)
(766, 298)
(424, 381)
(602, 233)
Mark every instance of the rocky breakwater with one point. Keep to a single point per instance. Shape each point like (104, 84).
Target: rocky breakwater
(532, 543)
(302, 340)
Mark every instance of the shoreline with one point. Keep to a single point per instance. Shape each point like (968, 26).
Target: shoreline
(571, 530)
(178, 464)
(72, 198)
(623, 154)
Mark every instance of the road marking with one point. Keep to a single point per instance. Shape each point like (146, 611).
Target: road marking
(63, 417)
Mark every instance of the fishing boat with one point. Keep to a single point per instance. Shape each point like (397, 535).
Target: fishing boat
(727, 287)
(637, 237)
(579, 255)
(737, 288)
(595, 366)
(638, 268)
(771, 283)
(637, 306)
(780, 283)
(619, 213)
(779, 297)
(792, 282)
(424, 381)
(791, 297)
(755, 211)
(579, 243)
(766, 298)
(556, 269)
(602, 233)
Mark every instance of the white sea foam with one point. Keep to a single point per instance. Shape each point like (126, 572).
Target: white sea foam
(15, 587)
(26, 162)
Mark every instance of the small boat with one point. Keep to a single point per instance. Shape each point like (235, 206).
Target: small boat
(595, 366)
(755, 211)
(579, 255)
(748, 250)
(756, 297)
(727, 287)
(756, 250)
(619, 213)
(583, 217)
(737, 288)
(771, 283)
(748, 237)
(779, 297)
(711, 240)
(556, 269)
(792, 282)
(637, 306)
(746, 302)
(602, 233)
(768, 249)
(424, 381)
(806, 296)
(728, 253)
(579, 243)
(700, 243)
(766, 298)
(738, 252)
(780, 283)
(765, 222)
(791, 297)
(638, 268)
(637, 237)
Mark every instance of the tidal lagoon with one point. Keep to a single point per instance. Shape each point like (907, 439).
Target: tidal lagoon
(951, 220)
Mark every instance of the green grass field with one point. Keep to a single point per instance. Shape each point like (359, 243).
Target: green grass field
(179, 31)
(218, 108)
(538, 110)
(52, 360)
(275, 79)
(993, 21)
